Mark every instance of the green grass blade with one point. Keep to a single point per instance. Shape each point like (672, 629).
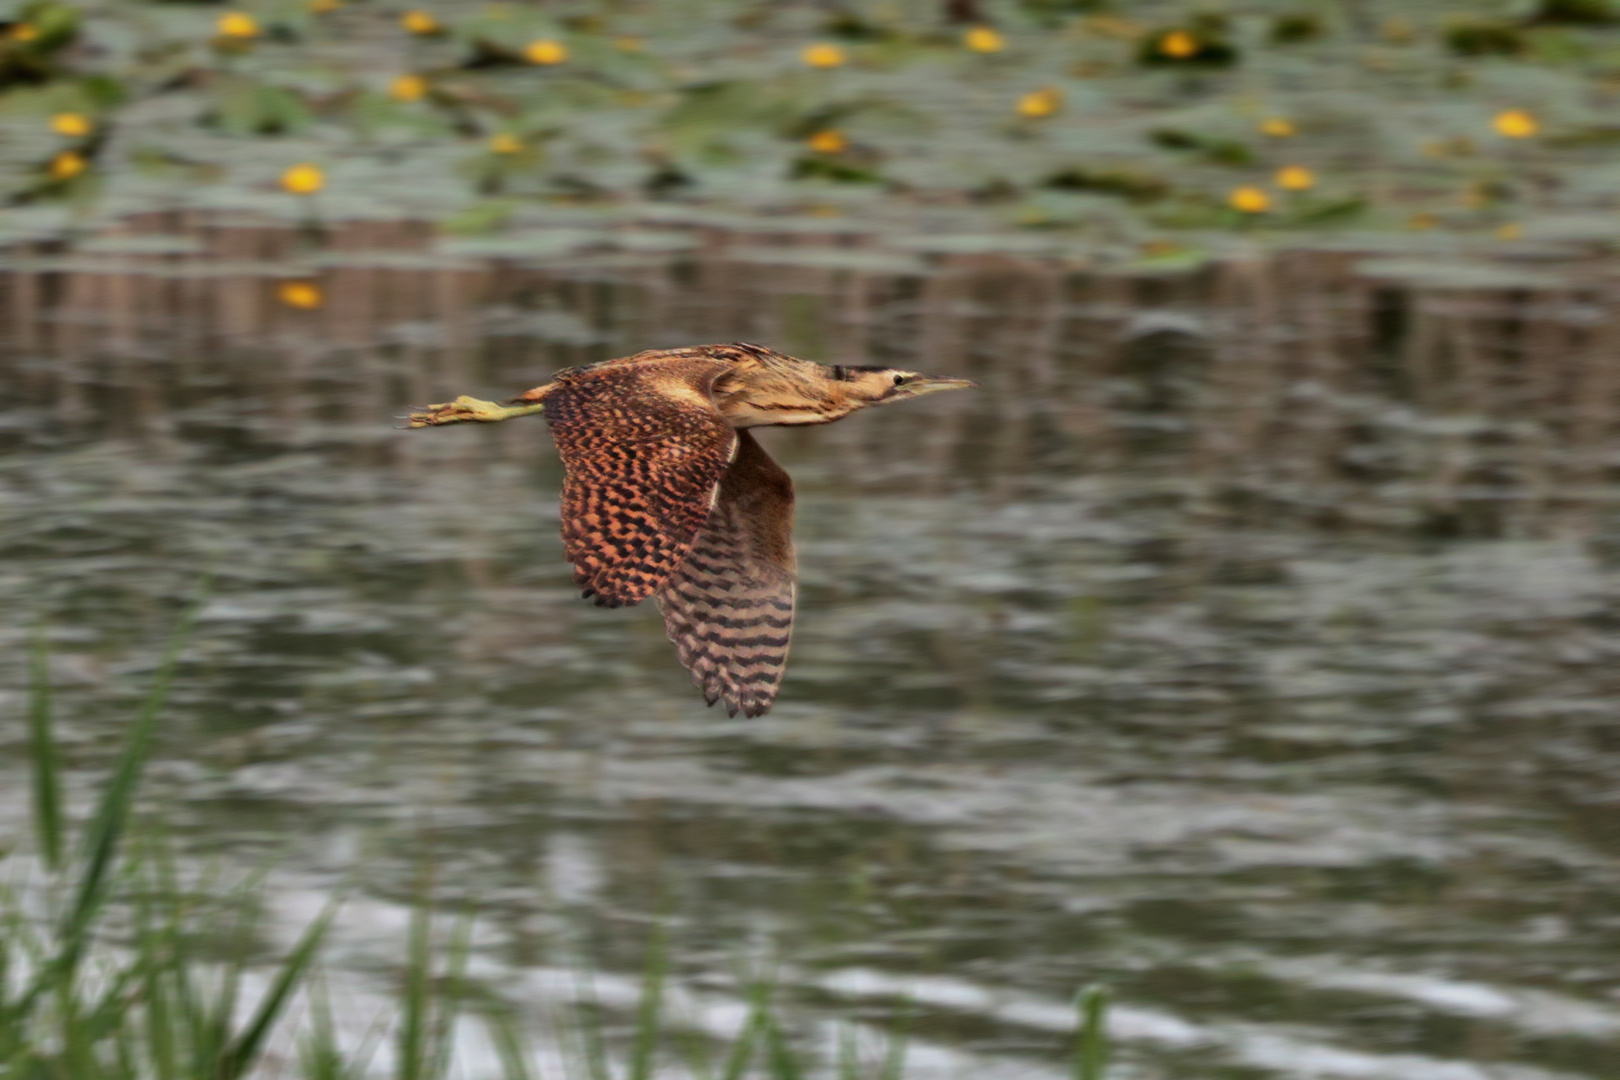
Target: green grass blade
(780, 1061)
(111, 1011)
(243, 1050)
(189, 999)
(1091, 1038)
(42, 750)
(590, 1028)
(160, 1023)
(213, 1034)
(212, 1009)
(894, 1062)
(849, 1056)
(318, 1055)
(417, 1005)
(507, 1035)
(100, 839)
(450, 998)
(747, 1043)
(106, 827)
(19, 940)
(695, 1051)
(644, 1051)
(565, 1033)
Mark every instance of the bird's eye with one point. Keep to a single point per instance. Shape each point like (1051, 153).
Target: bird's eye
(901, 380)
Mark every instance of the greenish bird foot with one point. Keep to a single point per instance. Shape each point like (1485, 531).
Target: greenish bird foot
(469, 410)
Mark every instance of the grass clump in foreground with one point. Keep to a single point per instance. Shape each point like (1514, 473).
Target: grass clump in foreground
(104, 974)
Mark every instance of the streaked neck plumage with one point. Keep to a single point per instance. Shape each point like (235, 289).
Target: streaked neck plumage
(782, 390)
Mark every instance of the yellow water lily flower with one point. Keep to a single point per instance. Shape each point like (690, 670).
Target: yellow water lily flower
(1278, 127)
(983, 39)
(303, 179)
(408, 88)
(1039, 103)
(304, 295)
(828, 142)
(1179, 45)
(1516, 124)
(417, 21)
(237, 24)
(823, 56)
(1249, 199)
(1295, 178)
(67, 165)
(73, 125)
(545, 51)
(505, 144)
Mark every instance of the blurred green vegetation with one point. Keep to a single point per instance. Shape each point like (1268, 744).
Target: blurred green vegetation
(1113, 121)
(120, 961)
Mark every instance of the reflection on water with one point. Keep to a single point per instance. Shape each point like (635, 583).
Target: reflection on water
(1246, 643)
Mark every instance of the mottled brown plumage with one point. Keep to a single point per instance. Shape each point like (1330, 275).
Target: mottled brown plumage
(645, 449)
(666, 494)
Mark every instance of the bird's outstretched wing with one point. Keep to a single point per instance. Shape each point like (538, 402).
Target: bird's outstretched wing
(645, 448)
(729, 607)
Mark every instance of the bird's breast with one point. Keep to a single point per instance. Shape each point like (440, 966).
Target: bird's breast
(747, 414)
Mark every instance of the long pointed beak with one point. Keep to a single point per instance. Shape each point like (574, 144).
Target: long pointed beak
(927, 384)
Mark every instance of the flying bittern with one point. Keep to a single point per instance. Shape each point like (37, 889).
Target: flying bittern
(667, 495)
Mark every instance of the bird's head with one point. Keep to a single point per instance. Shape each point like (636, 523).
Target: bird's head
(881, 385)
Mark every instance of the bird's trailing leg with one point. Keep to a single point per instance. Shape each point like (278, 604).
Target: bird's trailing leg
(470, 410)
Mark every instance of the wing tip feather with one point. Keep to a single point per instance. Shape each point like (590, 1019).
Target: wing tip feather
(735, 698)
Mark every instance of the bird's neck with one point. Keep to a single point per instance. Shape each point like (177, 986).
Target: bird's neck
(765, 399)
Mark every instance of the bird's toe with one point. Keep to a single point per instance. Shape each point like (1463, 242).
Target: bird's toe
(426, 415)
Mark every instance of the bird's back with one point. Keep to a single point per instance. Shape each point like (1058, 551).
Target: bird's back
(745, 357)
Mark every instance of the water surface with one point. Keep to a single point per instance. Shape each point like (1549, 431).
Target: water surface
(1247, 643)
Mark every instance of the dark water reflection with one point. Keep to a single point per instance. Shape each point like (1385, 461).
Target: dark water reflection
(1248, 642)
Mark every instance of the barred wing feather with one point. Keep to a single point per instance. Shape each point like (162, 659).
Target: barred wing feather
(729, 606)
